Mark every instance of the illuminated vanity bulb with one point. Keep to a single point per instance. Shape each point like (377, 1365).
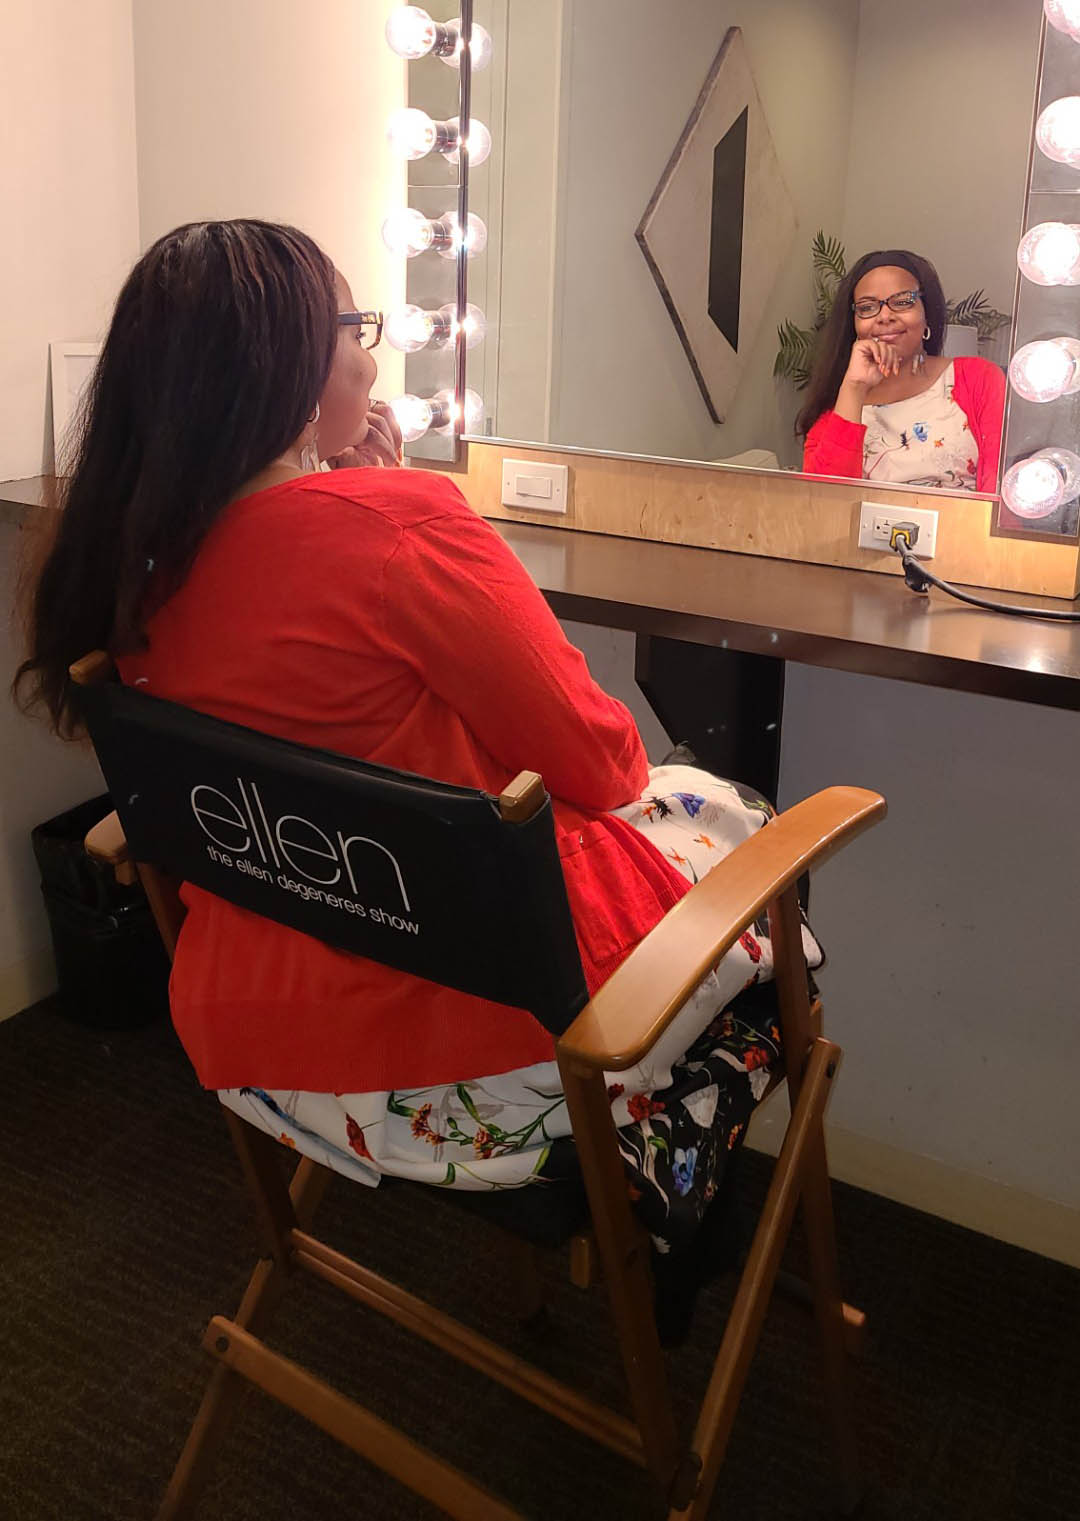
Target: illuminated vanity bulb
(408, 328)
(1046, 369)
(474, 325)
(1033, 487)
(411, 133)
(410, 32)
(1057, 130)
(479, 143)
(1064, 15)
(480, 46)
(414, 416)
(408, 232)
(1069, 465)
(450, 238)
(1049, 254)
(470, 415)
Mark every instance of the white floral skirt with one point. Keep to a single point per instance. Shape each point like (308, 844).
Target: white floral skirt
(496, 1132)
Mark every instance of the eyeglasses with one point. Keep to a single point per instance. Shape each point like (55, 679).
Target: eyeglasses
(369, 323)
(900, 301)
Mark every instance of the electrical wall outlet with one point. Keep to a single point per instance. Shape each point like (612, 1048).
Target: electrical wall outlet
(539, 488)
(877, 519)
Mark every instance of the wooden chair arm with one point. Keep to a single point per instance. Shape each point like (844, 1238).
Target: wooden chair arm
(617, 1028)
(106, 843)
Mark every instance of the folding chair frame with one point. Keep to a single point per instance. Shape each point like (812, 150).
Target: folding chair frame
(612, 1033)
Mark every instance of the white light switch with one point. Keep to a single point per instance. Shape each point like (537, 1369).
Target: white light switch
(541, 488)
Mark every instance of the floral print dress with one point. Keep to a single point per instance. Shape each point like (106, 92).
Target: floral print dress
(925, 440)
(678, 1113)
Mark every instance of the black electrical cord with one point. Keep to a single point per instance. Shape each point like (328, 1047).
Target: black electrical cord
(920, 580)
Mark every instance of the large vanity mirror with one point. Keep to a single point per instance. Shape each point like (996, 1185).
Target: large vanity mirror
(650, 240)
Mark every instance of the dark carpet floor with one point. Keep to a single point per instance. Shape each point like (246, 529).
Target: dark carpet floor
(124, 1228)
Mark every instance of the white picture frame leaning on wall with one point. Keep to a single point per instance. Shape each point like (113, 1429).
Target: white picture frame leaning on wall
(71, 365)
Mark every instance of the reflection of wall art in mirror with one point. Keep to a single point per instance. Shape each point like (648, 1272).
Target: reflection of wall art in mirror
(718, 226)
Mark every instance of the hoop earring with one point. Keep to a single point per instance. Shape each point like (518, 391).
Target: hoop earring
(925, 339)
(309, 452)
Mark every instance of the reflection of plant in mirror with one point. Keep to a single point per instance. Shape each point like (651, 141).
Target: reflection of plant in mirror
(795, 356)
(975, 311)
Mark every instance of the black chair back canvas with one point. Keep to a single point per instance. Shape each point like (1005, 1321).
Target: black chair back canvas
(420, 875)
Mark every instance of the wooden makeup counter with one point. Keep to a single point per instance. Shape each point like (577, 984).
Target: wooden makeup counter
(710, 620)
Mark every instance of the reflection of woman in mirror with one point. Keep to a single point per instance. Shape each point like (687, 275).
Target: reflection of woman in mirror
(884, 402)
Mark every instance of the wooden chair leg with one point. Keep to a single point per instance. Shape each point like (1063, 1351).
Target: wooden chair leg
(799, 1292)
(226, 1390)
(623, 1250)
(755, 1286)
(785, 932)
(584, 1261)
(260, 1159)
(817, 1214)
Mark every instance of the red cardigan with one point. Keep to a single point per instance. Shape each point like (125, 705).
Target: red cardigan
(374, 613)
(834, 446)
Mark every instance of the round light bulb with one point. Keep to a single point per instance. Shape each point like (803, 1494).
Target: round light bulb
(410, 31)
(1046, 369)
(474, 412)
(480, 46)
(1033, 487)
(475, 324)
(408, 329)
(413, 415)
(1069, 465)
(411, 133)
(474, 240)
(479, 144)
(407, 232)
(470, 415)
(1057, 130)
(1049, 254)
(1064, 15)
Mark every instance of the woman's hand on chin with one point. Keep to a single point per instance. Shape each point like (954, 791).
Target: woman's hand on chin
(381, 444)
(871, 362)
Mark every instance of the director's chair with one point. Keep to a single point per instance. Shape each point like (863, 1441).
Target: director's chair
(482, 880)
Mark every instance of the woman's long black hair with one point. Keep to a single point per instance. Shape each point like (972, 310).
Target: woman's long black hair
(838, 335)
(220, 345)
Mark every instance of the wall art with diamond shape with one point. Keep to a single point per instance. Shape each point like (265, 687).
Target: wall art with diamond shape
(719, 225)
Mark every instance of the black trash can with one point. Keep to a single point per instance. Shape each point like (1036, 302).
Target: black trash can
(111, 965)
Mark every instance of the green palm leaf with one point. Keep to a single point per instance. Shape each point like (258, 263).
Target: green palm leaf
(829, 259)
(795, 356)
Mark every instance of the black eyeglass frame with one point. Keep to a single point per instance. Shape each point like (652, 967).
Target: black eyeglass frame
(905, 306)
(363, 319)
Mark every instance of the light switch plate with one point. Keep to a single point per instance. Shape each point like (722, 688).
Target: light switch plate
(535, 487)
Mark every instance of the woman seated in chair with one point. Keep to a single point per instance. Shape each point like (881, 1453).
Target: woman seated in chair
(370, 611)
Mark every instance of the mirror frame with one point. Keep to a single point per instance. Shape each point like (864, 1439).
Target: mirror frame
(1003, 524)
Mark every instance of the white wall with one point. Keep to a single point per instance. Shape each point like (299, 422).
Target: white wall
(274, 109)
(67, 186)
(940, 132)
